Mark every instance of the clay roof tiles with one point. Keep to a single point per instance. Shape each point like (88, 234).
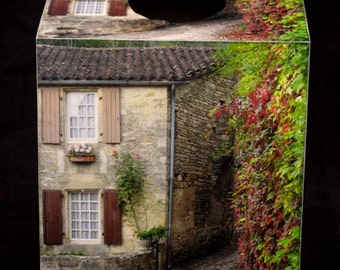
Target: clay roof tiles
(122, 64)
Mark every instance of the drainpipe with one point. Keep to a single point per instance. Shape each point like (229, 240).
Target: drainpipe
(171, 173)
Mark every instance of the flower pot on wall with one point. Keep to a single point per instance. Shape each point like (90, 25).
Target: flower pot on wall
(82, 159)
(144, 243)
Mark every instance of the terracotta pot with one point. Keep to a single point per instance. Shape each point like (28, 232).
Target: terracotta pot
(82, 159)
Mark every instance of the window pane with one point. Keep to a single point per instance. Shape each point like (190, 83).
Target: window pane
(75, 206)
(93, 206)
(94, 225)
(82, 110)
(93, 196)
(84, 235)
(90, 99)
(74, 196)
(90, 110)
(82, 133)
(91, 133)
(90, 122)
(73, 122)
(82, 121)
(94, 235)
(94, 216)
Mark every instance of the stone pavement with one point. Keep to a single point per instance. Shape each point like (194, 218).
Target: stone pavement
(223, 259)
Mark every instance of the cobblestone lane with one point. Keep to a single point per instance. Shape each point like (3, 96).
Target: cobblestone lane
(224, 259)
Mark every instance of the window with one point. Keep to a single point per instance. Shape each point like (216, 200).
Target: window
(81, 116)
(89, 7)
(84, 216)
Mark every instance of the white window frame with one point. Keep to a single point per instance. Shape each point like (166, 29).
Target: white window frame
(68, 116)
(87, 3)
(83, 217)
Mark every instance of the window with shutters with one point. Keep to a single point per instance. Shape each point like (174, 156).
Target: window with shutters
(90, 215)
(89, 7)
(84, 216)
(80, 115)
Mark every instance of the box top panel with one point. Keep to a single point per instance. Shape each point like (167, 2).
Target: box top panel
(115, 20)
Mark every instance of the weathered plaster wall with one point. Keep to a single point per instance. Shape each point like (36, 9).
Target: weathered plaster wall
(144, 129)
(201, 217)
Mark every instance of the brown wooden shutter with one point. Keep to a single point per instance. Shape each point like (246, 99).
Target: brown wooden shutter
(117, 8)
(53, 234)
(50, 115)
(112, 218)
(111, 115)
(58, 7)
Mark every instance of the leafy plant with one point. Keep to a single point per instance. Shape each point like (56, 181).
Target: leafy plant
(79, 149)
(130, 181)
(130, 175)
(266, 116)
(274, 19)
(155, 233)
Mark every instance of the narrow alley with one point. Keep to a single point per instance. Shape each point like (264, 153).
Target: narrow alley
(223, 259)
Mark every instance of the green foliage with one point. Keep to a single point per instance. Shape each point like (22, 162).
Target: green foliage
(275, 19)
(130, 176)
(266, 119)
(155, 233)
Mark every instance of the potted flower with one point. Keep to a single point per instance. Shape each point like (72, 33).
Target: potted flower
(80, 153)
(151, 236)
(155, 233)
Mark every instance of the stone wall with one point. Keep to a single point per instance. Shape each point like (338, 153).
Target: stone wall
(139, 260)
(201, 217)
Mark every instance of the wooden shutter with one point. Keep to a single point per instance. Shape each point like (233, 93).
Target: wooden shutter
(50, 115)
(58, 7)
(112, 218)
(53, 234)
(111, 115)
(117, 8)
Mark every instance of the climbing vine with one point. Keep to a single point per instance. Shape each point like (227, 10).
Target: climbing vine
(266, 116)
(272, 19)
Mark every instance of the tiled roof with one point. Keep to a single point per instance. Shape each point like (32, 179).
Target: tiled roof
(122, 64)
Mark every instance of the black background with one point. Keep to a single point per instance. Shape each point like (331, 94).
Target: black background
(18, 145)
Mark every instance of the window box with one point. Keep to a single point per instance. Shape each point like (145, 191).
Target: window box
(82, 159)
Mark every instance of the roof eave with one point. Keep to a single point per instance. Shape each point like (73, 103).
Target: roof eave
(107, 83)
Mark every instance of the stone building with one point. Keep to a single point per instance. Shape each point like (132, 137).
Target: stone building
(151, 100)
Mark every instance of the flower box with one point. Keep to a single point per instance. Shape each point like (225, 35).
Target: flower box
(82, 159)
